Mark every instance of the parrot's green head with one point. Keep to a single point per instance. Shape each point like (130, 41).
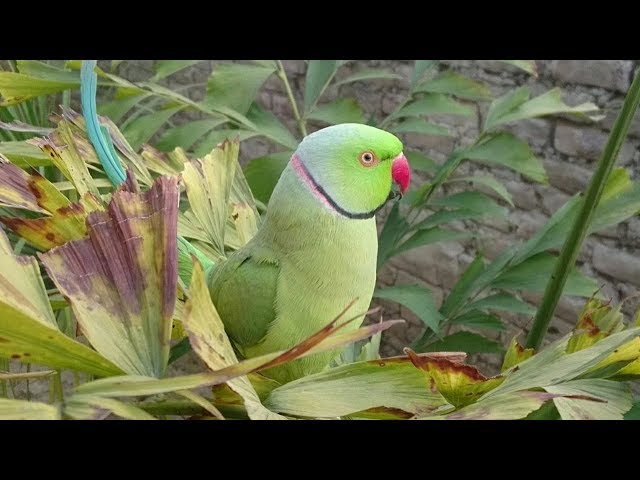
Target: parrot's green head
(351, 168)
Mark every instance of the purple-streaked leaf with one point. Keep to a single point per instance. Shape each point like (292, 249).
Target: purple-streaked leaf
(121, 281)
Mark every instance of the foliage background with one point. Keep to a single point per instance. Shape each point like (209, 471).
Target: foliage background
(568, 148)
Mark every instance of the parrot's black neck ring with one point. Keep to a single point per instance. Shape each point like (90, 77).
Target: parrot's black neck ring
(316, 188)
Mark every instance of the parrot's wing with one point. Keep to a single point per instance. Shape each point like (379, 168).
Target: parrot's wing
(243, 290)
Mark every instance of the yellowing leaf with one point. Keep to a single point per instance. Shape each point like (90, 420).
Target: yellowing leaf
(65, 223)
(458, 383)
(392, 383)
(516, 354)
(67, 157)
(20, 189)
(208, 184)
(510, 406)
(21, 287)
(245, 222)
(597, 321)
(28, 329)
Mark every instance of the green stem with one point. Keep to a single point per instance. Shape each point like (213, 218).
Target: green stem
(578, 232)
(294, 106)
(52, 388)
(57, 379)
(27, 384)
(13, 390)
(4, 365)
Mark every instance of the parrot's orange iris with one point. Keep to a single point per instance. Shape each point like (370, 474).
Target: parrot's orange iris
(368, 159)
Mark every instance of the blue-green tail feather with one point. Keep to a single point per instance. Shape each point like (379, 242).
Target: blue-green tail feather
(101, 141)
(98, 134)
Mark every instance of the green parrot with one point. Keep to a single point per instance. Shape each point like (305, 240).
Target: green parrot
(316, 250)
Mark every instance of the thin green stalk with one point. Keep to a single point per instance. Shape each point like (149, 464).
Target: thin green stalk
(13, 390)
(57, 379)
(27, 384)
(294, 106)
(4, 365)
(52, 388)
(578, 232)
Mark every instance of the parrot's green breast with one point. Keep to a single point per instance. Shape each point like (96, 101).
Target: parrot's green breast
(293, 278)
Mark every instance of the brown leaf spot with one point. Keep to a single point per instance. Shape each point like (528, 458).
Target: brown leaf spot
(445, 365)
(51, 237)
(16, 356)
(14, 223)
(589, 326)
(26, 354)
(71, 209)
(3, 340)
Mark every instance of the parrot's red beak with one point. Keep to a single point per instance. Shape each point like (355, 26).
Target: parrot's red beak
(400, 172)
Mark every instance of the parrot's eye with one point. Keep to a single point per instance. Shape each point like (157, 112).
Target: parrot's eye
(368, 159)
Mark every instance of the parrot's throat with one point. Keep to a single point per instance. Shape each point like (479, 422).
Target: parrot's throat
(323, 196)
